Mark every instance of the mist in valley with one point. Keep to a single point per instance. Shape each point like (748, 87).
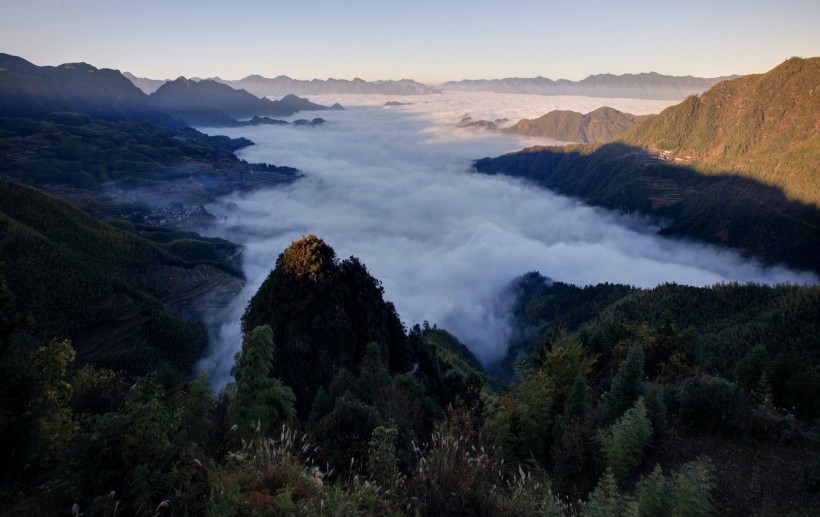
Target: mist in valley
(394, 187)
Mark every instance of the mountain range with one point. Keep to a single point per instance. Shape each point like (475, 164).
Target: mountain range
(674, 400)
(735, 166)
(282, 85)
(649, 85)
(28, 90)
(208, 102)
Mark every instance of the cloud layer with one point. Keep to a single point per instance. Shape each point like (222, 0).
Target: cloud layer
(393, 186)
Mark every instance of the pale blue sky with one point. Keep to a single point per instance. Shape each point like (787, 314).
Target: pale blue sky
(430, 41)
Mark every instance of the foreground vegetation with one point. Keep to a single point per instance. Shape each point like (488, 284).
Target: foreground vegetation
(618, 410)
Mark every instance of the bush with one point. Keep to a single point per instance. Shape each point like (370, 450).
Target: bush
(704, 404)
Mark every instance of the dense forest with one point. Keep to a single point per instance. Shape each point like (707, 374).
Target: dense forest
(115, 289)
(667, 401)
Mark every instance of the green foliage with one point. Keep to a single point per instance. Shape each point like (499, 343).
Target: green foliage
(324, 313)
(110, 442)
(756, 124)
(544, 310)
(690, 490)
(627, 387)
(657, 413)
(196, 410)
(763, 336)
(575, 446)
(653, 494)
(382, 463)
(86, 153)
(260, 401)
(88, 281)
(704, 404)
(55, 424)
(607, 501)
(687, 493)
(735, 166)
(625, 441)
(96, 391)
(600, 125)
(522, 427)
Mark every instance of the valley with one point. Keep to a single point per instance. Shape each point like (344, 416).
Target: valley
(357, 314)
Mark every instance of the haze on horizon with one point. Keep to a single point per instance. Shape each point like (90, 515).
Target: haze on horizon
(430, 42)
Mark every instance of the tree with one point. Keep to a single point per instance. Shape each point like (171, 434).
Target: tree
(607, 501)
(627, 387)
(625, 440)
(652, 495)
(55, 422)
(690, 490)
(261, 401)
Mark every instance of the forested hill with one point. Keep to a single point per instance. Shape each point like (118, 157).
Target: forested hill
(765, 127)
(27, 90)
(600, 125)
(208, 102)
(737, 166)
(135, 170)
(735, 331)
(119, 296)
(667, 401)
(31, 91)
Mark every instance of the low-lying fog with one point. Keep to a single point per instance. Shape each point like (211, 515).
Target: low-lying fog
(393, 186)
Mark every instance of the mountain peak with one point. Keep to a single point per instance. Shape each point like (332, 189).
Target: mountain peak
(80, 67)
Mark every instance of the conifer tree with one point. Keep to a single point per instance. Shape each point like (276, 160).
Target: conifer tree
(625, 440)
(260, 400)
(627, 387)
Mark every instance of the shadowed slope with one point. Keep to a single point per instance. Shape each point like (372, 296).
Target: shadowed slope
(750, 182)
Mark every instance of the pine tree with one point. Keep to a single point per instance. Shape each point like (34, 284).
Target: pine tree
(625, 441)
(260, 401)
(627, 387)
(652, 495)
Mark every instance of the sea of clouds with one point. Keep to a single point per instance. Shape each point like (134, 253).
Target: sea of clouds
(394, 186)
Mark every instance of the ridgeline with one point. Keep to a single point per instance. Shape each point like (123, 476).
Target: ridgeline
(736, 166)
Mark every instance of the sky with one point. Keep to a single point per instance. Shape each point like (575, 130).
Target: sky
(393, 186)
(429, 41)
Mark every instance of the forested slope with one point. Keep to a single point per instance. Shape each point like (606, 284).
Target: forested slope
(98, 284)
(736, 166)
(666, 401)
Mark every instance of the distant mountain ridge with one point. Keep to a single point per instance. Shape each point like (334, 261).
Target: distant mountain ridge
(649, 85)
(265, 87)
(28, 90)
(284, 85)
(210, 102)
(148, 86)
